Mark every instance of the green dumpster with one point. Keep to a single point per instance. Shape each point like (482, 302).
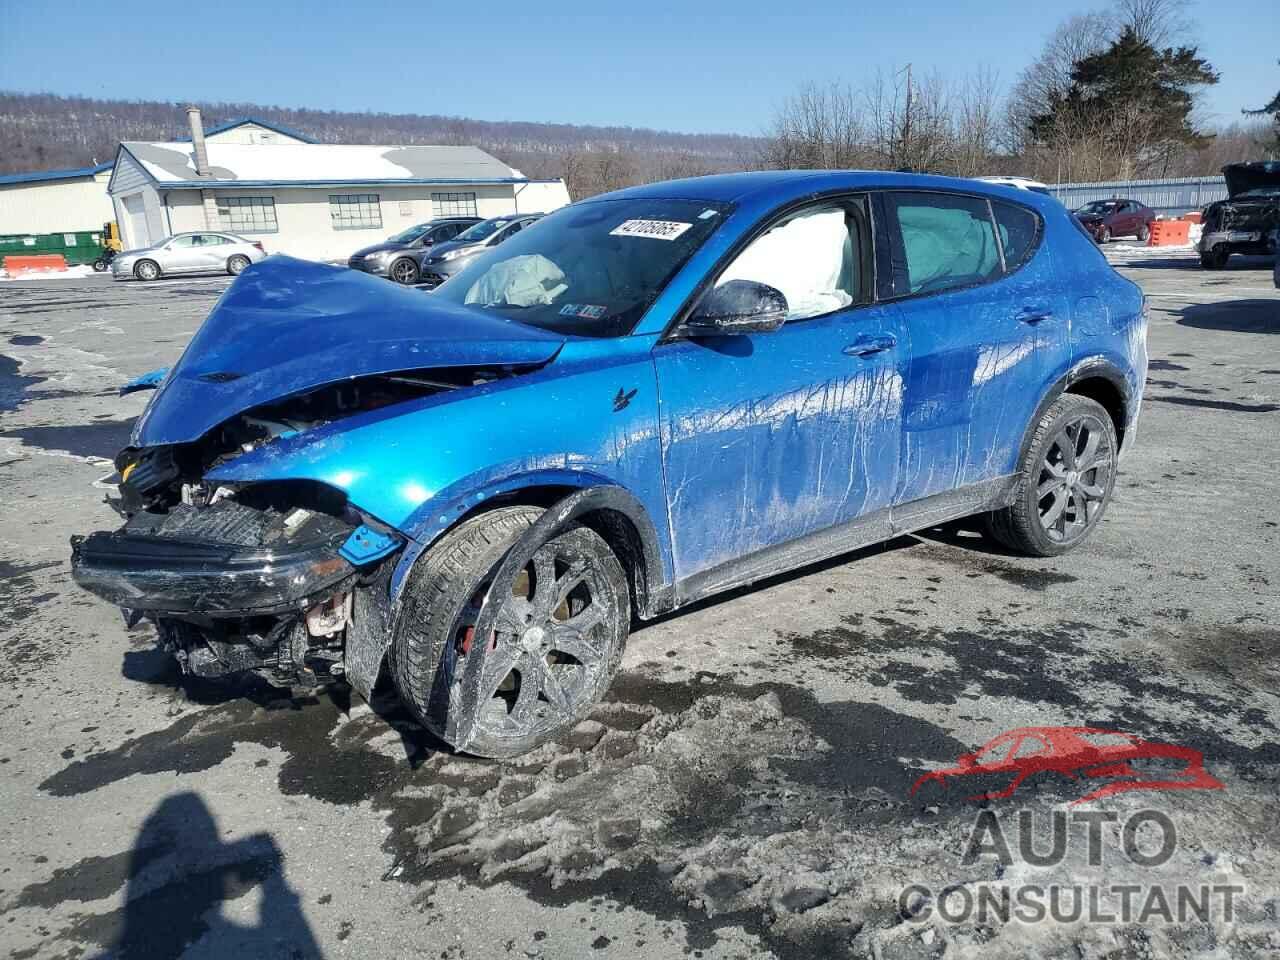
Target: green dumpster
(77, 247)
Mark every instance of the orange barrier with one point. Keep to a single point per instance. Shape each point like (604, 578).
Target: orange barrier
(32, 263)
(1170, 233)
(1194, 217)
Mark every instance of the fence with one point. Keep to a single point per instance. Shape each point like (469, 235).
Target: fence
(1170, 197)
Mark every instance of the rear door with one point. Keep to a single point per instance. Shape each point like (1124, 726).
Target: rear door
(981, 330)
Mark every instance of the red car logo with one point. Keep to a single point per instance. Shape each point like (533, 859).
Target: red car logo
(1078, 753)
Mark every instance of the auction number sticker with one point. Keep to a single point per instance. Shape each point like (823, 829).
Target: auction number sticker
(653, 229)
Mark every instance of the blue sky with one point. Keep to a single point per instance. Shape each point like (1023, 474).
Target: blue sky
(705, 65)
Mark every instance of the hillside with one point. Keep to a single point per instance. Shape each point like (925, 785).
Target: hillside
(48, 132)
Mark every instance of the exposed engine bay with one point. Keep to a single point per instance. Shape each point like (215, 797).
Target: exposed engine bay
(265, 577)
(1248, 221)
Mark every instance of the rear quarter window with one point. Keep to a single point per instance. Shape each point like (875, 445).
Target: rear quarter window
(1019, 231)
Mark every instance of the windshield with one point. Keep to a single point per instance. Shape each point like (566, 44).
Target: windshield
(590, 269)
(1099, 207)
(410, 235)
(481, 231)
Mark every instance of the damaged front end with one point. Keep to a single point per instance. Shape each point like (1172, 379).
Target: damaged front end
(1249, 220)
(260, 577)
(268, 572)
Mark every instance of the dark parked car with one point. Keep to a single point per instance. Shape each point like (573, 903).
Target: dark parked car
(651, 397)
(450, 258)
(1104, 219)
(1248, 220)
(400, 257)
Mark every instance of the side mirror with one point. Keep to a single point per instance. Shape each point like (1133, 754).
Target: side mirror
(735, 308)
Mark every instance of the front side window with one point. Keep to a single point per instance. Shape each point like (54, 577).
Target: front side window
(939, 241)
(182, 243)
(590, 269)
(355, 211)
(814, 258)
(247, 214)
(453, 204)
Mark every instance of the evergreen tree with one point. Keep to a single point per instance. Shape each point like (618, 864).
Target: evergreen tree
(1272, 109)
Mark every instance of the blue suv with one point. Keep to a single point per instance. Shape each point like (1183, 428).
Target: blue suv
(641, 400)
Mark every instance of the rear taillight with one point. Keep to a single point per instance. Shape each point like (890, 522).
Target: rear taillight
(260, 247)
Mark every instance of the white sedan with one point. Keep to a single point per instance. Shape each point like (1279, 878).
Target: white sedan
(188, 253)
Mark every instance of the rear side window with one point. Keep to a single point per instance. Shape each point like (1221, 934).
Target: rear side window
(939, 242)
(1018, 229)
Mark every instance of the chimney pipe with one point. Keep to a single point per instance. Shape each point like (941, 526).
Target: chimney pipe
(197, 142)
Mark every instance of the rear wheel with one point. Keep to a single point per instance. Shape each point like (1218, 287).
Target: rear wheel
(236, 264)
(99, 265)
(557, 643)
(146, 270)
(404, 271)
(1067, 477)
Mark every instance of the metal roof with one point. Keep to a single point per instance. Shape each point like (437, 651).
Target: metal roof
(171, 165)
(47, 175)
(241, 121)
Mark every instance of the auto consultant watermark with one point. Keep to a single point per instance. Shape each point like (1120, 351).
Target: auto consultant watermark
(1123, 851)
(1147, 839)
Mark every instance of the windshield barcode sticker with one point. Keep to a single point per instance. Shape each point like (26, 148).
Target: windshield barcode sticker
(653, 229)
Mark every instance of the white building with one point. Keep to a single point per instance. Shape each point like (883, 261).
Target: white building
(319, 201)
(55, 201)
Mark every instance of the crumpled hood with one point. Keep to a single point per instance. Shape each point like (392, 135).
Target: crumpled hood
(286, 326)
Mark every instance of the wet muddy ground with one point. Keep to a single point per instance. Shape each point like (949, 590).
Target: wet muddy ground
(745, 790)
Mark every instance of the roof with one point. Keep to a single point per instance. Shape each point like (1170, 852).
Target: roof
(769, 186)
(242, 121)
(171, 165)
(48, 175)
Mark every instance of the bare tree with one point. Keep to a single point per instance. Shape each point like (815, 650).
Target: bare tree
(1161, 23)
(817, 128)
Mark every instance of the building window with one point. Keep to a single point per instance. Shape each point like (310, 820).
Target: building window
(355, 211)
(453, 205)
(247, 214)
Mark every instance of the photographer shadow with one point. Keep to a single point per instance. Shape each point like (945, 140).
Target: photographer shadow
(181, 875)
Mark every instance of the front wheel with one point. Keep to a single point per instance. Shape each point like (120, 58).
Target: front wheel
(147, 270)
(1104, 235)
(1144, 233)
(99, 265)
(404, 271)
(557, 644)
(1215, 259)
(1067, 476)
(237, 264)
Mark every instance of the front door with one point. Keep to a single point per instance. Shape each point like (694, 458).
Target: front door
(770, 437)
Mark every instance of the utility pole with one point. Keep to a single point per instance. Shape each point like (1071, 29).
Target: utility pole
(906, 124)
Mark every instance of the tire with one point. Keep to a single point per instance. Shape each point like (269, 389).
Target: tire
(431, 640)
(236, 264)
(1144, 233)
(1045, 519)
(99, 265)
(1104, 235)
(403, 271)
(146, 270)
(1215, 259)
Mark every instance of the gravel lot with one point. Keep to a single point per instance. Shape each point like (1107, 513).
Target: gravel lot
(743, 792)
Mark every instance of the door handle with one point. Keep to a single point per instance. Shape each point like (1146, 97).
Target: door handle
(866, 346)
(1034, 315)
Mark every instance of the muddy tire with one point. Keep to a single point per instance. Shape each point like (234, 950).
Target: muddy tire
(558, 641)
(146, 270)
(237, 264)
(1067, 476)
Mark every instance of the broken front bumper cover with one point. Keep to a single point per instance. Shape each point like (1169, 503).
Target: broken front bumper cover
(161, 575)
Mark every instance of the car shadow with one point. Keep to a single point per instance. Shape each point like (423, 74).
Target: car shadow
(181, 873)
(1237, 264)
(1233, 316)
